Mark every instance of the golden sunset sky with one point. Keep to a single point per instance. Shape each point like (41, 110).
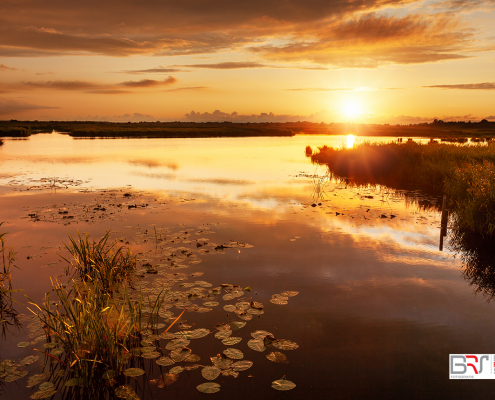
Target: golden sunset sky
(370, 61)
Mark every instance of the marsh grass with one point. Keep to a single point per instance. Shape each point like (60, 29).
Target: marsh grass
(8, 314)
(99, 261)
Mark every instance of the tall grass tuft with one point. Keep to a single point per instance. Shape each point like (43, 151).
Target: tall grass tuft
(98, 261)
(472, 188)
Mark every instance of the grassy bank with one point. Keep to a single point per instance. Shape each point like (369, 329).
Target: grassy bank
(14, 131)
(465, 173)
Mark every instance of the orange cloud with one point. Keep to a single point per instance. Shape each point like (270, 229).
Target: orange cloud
(468, 86)
(149, 83)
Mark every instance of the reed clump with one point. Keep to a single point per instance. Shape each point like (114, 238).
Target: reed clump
(472, 189)
(99, 261)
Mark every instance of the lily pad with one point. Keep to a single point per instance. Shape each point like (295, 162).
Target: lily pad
(211, 304)
(165, 361)
(22, 344)
(74, 382)
(257, 344)
(237, 325)
(167, 335)
(242, 365)
(229, 307)
(256, 304)
(46, 386)
(278, 357)
(209, 387)
(180, 354)
(195, 334)
(15, 375)
(210, 373)
(279, 300)
(261, 334)
(284, 344)
(176, 370)
(151, 354)
(223, 334)
(230, 341)
(35, 379)
(289, 293)
(167, 379)
(283, 384)
(223, 327)
(57, 352)
(126, 392)
(133, 372)
(221, 362)
(43, 394)
(177, 344)
(192, 358)
(29, 360)
(233, 353)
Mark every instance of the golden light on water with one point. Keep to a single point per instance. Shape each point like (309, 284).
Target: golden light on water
(350, 141)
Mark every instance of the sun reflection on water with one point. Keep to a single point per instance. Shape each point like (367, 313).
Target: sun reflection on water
(350, 141)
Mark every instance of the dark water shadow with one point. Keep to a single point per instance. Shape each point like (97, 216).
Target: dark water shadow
(477, 253)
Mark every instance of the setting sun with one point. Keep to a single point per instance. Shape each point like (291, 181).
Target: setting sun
(352, 109)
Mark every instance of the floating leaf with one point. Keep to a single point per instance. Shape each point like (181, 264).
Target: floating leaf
(126, 392)
(246, 317)
(222, 327)
(167, 335)
(177, 344)
(209, 387)
(248, 289)
(191, 367)
(57, 352)
(192, 358)
(229, 307)
(195, 334)
(255, 311)
(29, 360)
(256, 304)
(277, 357)
(167, 379)
(223, 334)
(289, 293)
(46, 386)
(43, 394)
(261, 334)
(176, 370)
(210, 372)
(242, 365)
(22, 344)
(284, 344)
(15, 375)
(211, 304)
(165, 361)
(180, 354)
(229, 372)
(279, 300)
(237, 325)
(35, 379)
(221, 362)
(133, 372)
(228, 296)
(230, 341)
(257, 344)
(233, 353)
(151, 354)
(283, 384)
(74, 382)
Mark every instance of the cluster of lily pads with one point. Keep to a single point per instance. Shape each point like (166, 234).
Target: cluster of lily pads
(160, 298)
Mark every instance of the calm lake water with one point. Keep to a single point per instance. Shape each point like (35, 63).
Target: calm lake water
(379, 308)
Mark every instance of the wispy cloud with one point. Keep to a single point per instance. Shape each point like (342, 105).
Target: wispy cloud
(14, 107)
(158, 70)
(187, 88)
(466, 86)
(228, 65)
(88, 86)
(3, 67)
(147, 83)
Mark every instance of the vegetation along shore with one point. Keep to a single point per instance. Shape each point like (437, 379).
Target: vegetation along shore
(465, 173)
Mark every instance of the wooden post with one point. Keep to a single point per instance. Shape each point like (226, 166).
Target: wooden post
(443, 222)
